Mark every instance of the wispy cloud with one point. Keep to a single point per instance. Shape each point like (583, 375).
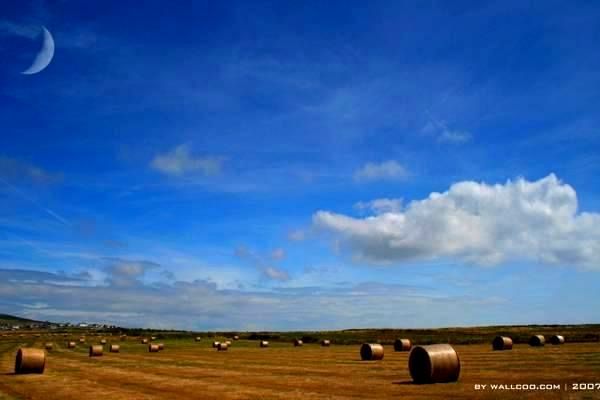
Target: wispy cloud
(180, 161)
(439, 129)
(379, 206)
(264, 263)
(386, 170)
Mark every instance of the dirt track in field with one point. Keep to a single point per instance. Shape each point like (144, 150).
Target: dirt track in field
(189, 370)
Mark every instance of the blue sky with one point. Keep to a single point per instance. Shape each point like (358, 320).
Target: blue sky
(261, 165)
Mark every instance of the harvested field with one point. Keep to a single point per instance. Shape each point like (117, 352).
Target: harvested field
(194, 370)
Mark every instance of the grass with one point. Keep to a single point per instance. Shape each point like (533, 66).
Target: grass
(188, 369)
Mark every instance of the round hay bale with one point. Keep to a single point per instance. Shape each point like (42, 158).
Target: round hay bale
(222, 347)
(264, 343)
(153, 338)
(153, 348)
(81, 340)
(435, 363)
(30, 361)
(114, 348)
(144, 341)
(215, 345)
(96, 350)
(502, 343)
(228, 342)
(236, 337)
(198, 338)
(103, 341)
(402, 345)
(71, 345)
(298, 342)
(161, 346)
(371, 351)
(557, 339)
(325, 343)
(537, 340)
(49, 346)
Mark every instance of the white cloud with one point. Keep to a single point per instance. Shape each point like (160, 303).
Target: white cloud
(380, 206)
(297, 235)
(179, 162)
(440, 130)
(278, 254)
(477, 223)
(387, 170)
(276, 274)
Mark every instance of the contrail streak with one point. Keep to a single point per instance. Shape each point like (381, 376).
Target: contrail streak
(35, 203)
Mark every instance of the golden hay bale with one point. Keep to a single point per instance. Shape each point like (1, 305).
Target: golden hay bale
(215, 345)
(144, 341)
(402, 345)
(371, 351)
(264, 343)
(153, 338)
(236, 337)
(71, 345)
(30, 361)
(161, 346)
(557, 339)
(325, 343)
(114, 348)
(435, 363)
(49, 346)
(81, 340)
(298, 342)
(228, 342)
(103, 341)
(96, 350)
(537, 340)
(222, 347)
(502, 343)
(198, 338)
(153, 348)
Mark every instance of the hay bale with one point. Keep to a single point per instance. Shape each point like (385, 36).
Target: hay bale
(236, 337)
(103, 341)
(264, 343)
(215, 345)
(144, 341)
(298, 342)
(153, 348)
(537, 340)
(81, 340)
(198, 338)
(502, 343)
(371, 351)
(557, 339)
(96, 350)
(153, 338)
(114, 348)
(222, 347)
(435, 363)
(325, 343)
(402, 345)
(30, 361)
(161, 346)
(71, 345)
(49, 346)
(228, 342)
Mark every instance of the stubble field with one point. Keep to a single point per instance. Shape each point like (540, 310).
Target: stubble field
(194, 370)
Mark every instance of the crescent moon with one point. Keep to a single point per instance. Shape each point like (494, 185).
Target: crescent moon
(44, 56)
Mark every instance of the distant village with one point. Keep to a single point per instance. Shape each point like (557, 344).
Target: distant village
(51, 325)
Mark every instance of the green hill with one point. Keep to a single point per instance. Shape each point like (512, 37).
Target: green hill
(6, 319)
